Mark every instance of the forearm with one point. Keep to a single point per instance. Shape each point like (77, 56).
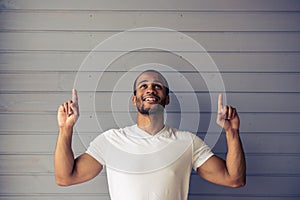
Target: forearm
(64, 157)
(235, 159)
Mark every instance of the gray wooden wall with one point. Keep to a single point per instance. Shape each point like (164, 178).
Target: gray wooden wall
(255, 44)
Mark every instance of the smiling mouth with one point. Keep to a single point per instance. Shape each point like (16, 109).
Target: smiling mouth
(150, 99)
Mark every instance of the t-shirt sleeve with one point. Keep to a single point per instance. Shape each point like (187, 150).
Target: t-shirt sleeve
(97, 148)
(201, 152)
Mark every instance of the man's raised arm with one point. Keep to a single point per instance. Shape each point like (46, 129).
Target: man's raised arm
(69, 171)
(231, 172)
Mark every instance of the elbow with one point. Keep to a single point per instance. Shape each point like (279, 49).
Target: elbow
(238, 183)
(62, 182)
(62, 179)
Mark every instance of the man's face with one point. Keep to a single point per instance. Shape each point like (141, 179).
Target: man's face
(151, 97)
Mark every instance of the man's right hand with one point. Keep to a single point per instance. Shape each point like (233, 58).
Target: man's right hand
(68, 112)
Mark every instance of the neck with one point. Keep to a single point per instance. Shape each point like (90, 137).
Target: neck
(152, 123)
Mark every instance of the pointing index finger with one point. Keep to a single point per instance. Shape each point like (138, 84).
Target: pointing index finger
(74, 96)
(220, 102)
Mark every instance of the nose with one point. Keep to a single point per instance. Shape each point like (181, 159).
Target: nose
(151, 89)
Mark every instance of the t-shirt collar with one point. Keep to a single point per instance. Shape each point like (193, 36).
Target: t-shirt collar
(141, 132)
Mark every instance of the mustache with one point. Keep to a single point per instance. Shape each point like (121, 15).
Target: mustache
(150, 96)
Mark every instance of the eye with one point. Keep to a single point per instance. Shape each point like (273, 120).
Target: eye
(143, 86)
(158, 87)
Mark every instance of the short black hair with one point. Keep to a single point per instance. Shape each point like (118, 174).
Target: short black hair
(153, 71)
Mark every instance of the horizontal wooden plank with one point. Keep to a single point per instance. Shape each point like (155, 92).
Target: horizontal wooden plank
(180, 102)
(119, 21)
(19, 185)
(211, 42)
(88, 122)
(199, 5)
(242, 197)
(101, 197)
(263, 143)
(43, 123)
(18, 164)
(264, 164)
(273, 164)
(226, 62)
(122, 81)
(258, 143)
(36, 144)
(255, 186)
(55, 196)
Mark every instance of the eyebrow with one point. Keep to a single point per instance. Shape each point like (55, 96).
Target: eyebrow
(154, 81)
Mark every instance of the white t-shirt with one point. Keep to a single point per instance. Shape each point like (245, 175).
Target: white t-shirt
(141, 166)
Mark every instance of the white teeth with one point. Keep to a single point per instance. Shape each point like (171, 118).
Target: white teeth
(150, 99)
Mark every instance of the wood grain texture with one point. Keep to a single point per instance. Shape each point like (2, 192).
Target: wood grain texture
(122, 81)
(19, 185)
(48, 102)
(211, 41)
(255, 46)
(47, 122)
(257, 164)
(254, 143)
(281, 62)
(180, 21)
(142, 5)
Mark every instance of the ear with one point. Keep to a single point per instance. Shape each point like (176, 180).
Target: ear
(133, 100)
(167, 100)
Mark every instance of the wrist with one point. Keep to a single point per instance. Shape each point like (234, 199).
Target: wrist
(232, 133)
(66, 129)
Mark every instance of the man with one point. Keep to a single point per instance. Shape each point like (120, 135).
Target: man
(149, 160)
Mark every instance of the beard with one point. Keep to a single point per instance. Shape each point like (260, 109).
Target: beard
(154, 109)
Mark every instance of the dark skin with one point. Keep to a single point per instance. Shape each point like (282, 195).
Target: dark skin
(232, 171)
(70, 171)
(150, 100)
